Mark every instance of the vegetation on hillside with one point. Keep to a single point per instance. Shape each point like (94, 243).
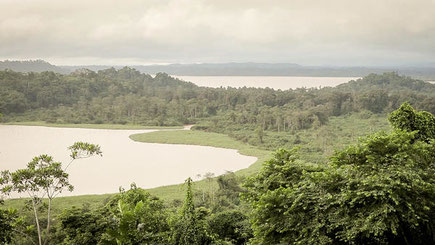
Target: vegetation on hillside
(379, 191)
(128, 96)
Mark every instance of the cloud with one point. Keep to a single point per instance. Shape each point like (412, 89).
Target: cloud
(149, 31)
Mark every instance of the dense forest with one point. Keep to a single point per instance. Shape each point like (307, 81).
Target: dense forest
(266, 118)
(128, 96)
(378, 190)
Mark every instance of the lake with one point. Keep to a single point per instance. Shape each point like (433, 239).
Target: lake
(275, 82)
(124, 161)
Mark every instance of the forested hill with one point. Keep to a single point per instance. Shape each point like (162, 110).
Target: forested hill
(390, 82)
(30, 66)
(128, 96)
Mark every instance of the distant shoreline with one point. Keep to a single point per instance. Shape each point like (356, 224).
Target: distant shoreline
(90, 126)
(426, 73)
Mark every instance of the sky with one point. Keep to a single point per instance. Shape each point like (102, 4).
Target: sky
(134, 32)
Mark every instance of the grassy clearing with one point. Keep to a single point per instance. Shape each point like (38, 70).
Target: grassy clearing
(192, 137)
(318, 144)
(61, 203)
(92, 126)
(166, 193)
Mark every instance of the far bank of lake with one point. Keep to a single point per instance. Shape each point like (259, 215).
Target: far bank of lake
(275, 82)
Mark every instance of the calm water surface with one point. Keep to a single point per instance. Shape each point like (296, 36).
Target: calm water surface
(124, 161)
(276, 82)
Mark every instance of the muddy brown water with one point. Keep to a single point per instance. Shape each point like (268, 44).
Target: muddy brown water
(124, 161)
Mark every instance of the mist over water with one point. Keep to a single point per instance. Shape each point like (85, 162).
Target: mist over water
(124, 161)
(275, 82)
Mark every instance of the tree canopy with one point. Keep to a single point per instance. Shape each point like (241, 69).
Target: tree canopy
(408, 119)
(380, 191)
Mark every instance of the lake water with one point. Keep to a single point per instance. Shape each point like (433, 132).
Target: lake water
(124, 161)
(276, 82)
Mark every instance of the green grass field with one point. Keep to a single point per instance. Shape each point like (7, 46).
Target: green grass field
(92, 126)
(318, 144)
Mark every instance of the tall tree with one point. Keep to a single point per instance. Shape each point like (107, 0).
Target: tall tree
(189, 227)
(45, 179)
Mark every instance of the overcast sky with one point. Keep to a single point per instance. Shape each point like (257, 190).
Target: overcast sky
(310, 32)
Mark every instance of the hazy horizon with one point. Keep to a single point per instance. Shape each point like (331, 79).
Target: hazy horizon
(313, 33)
(428, 65)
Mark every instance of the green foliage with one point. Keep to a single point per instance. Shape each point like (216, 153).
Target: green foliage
(270, 196)
(389, 185)
(231, 226)
(4, 187)
(84, 150)
(44, 178)
(220, 193)
(126, 96)
(406, 118)
(381, 191)
(229, 189)
(189, 227)
(260, 133)
(136, 217)
(7, 225)
(375, 101)
(390, 81)
(42, 174)
(80, 226)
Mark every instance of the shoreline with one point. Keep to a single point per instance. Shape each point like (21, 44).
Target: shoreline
(89, 126)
